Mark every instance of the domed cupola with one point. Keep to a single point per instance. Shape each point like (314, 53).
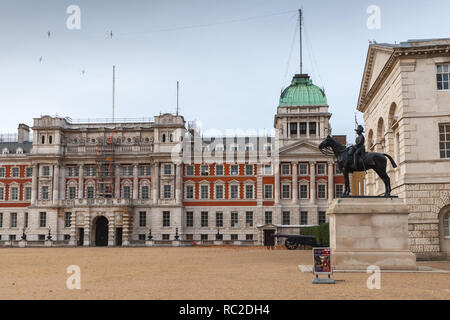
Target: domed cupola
(302, 92)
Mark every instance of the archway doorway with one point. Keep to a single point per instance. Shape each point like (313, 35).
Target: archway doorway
(101, 231)
(444, 229)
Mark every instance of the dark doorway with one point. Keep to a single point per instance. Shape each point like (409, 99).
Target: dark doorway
(118, 236)
(269, 240)
(101, 232)
(80, 236)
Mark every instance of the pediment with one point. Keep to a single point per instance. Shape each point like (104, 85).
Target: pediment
(301, 147)
(377, 57)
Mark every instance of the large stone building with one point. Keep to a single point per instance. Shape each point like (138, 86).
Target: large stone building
(108, 183)
(405, 99)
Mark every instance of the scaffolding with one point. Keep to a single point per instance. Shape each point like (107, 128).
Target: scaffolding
(105, 168)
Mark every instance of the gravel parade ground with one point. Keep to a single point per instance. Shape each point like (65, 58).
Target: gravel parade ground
(197, 273)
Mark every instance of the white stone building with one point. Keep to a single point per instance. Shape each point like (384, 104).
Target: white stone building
(405, 99)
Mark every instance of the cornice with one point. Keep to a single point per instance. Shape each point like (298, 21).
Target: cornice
(397, 53)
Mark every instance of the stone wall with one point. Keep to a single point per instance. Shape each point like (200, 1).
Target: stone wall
(425, 202)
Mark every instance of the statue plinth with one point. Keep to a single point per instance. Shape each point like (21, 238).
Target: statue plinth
(370, 231)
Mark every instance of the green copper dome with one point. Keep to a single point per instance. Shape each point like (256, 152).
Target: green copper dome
(302, 92)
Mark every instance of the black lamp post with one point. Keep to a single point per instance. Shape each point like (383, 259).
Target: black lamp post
(176, 234)
(150, 237)
(24, 236)
(218, 234)
(49, 236)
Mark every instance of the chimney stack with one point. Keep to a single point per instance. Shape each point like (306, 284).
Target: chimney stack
(23, 133)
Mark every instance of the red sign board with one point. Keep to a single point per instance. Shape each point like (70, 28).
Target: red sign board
(322, 261)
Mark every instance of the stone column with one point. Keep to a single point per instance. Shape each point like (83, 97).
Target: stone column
(87, 230)
(178, 183)
(34, 184)
(155, 182)
(62, 182)
(73, 229)
(330, 182)
(294, 183)
(322, 128)
(111, 229)
(55, 192)
(117, 181)
(81, 182)
(126, 228)
(277, 182)
(312, 182)
(135, 182)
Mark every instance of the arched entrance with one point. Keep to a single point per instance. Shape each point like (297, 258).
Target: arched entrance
(444, 229)
(101, 231)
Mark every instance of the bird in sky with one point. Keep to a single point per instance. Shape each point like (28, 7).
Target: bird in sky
(40, 59)
(48, 33)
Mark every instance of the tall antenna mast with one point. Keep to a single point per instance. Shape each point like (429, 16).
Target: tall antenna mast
(178, 90)
(301, 56)
(113, 91)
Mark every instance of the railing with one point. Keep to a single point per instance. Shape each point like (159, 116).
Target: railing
(109, 120)
(119, 149)
(97, 201)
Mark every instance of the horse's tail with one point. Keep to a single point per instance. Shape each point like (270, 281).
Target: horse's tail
(394, 165)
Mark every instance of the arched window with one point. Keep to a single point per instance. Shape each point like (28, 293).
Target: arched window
(50, 139)
(380, 134)
(370, 139)
(43, 139)
(446, 222)
(163, 138)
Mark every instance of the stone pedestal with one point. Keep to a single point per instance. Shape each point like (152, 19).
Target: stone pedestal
(370, 231)
(149, 243)
(48, 243)
(218, 242)
(176, 243)
(22, 244)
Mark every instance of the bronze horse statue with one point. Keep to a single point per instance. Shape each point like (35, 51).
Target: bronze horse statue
(368, 160)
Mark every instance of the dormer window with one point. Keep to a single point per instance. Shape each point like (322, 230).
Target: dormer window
(234, 147)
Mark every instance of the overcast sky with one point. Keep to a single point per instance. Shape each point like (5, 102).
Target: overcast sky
(231, 57)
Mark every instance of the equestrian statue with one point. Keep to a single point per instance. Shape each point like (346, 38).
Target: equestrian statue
(355, 158)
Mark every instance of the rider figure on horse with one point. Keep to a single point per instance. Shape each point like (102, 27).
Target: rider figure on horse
(358, 150)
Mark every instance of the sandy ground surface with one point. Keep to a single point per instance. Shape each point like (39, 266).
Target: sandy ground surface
(196, 273)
